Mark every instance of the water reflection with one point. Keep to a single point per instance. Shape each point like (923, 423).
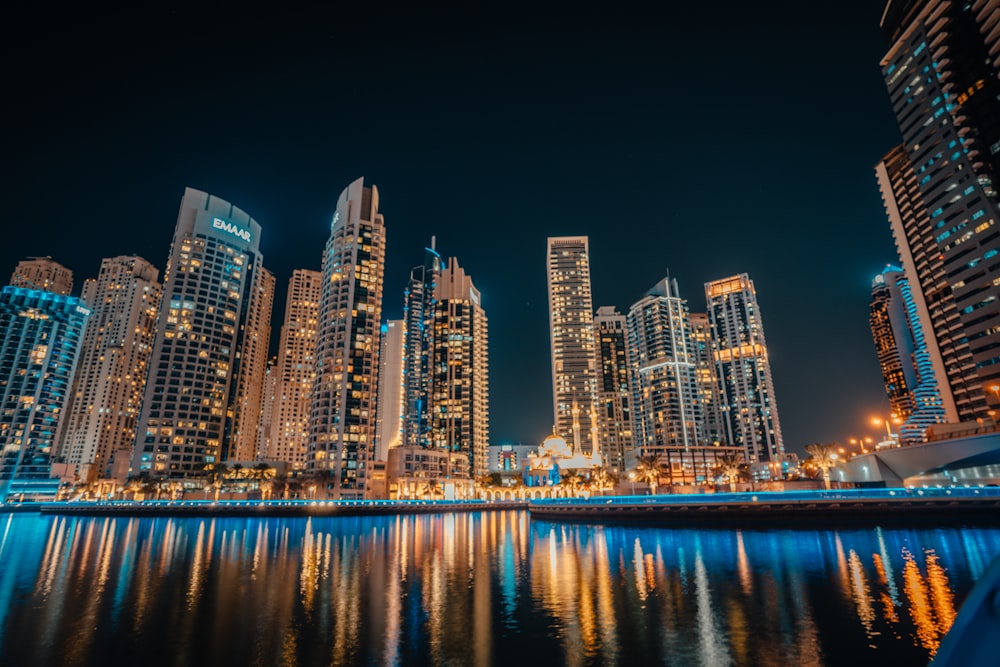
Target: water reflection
(491, 588)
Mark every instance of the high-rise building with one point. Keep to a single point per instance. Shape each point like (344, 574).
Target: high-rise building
(459, 392)
(614, 418)
(666, 397)
(418, 312)
(342, 414)
(296, 368)
(111, 374)
(746, 389)
(571, 326)
(708, 383)
(215, 298)
(265, 437)
(389, 413)
(243, 416)
(947, 347)
(40, 337)
(901, 347)
(43, 273)
(941, 71)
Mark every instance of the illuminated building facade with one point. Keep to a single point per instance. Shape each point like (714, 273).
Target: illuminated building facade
(40, 338)
(708, 383)
(459, 386)
(418, 313)
(901, 347)
(614, 414)
(389, 415)
(941, 71)
(243, 417)
(43, 273)
(111, 374)
(664, 366)
(342, 414)
(296, 369)
(215, 300)
(746, 391)
(947, 347)
(571, 326)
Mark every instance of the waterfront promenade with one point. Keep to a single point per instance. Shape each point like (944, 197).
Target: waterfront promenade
(952, 504)
(978, 504)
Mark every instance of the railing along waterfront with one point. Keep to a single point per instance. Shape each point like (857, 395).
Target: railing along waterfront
(779, 496)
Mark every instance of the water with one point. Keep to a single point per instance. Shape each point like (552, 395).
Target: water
(480, 588)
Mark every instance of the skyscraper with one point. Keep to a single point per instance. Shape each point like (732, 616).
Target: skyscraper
(941, 71)
(947, 347)
(40, 337)
(342, 415)
(459, 397)
(571, 326)
(901, 347)
(243, 416)
(708, 383)
(43, 273)
(389, 417)
(296, 368)
(746, 390)
(111, 374)
(418, 312)
(614, 418)
(666, 397)
(207, 340)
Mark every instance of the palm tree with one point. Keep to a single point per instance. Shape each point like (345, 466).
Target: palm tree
(824, 457)
(647, 469)
(730, 466)
(216, 476)
(262, 472)
(573, 479)
(602, 479)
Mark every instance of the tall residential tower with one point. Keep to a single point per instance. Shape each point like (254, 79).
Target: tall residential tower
(296, 368)
(208, 341)
(111, 374)
(342, 415)
(746, 390)
(941, 71)
(571, 323)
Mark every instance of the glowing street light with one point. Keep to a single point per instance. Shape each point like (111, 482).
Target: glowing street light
(860, 442)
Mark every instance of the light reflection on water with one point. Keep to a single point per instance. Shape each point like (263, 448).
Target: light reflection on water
(485, 588)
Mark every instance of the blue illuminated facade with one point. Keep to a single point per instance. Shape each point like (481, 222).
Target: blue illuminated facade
(906, 363)
(941, 72)
(40, 338)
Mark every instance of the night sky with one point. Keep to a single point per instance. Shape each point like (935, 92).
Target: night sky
(725, 138)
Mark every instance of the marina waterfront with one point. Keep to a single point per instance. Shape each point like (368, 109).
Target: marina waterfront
(483, 588)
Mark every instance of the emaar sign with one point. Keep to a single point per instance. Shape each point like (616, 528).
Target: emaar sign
(235, 230)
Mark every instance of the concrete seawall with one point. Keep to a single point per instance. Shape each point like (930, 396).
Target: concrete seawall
(777, 509)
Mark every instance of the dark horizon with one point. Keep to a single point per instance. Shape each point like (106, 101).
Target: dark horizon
(729, 139)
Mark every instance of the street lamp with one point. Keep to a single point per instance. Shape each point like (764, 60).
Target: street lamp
(860, 442)
(631, 478)
(996, 391)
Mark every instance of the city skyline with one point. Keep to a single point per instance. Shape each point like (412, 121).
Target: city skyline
(639, 161)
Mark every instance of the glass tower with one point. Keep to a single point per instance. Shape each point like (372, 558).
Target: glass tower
(901, 347)
(614, 414)
(418, 313)
(941, 72)
(40, 338)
